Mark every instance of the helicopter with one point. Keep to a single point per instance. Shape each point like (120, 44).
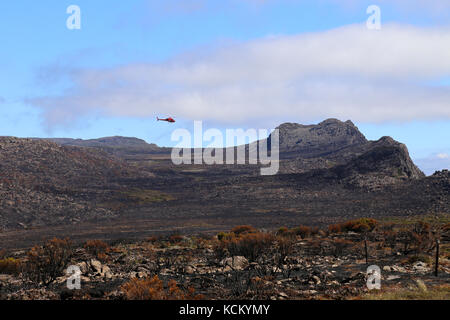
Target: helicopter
(170, 120)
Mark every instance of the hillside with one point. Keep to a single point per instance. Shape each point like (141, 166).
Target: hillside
(42, 183)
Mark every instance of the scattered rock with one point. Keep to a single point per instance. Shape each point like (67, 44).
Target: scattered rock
(420, 267)
(235, 263)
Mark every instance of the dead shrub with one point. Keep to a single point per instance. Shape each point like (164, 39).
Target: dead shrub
(225, 236)
(153, 239)
(334, 228)
(153, 289)
(283, 232)
(176, 239)
(242, 230)
(359, 226)
(46, 263)
(342, 246)
(96, 247)
(261, 289)
(285, 247)
(418, 257)
(249, 245)
(10, 266)
(303, 231)
(418, 239)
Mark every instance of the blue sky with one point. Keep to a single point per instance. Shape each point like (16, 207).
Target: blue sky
(236, 63)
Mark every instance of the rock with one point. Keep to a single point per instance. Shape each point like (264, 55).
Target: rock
(5, 277)
(310, 292)
(316, 280)
(283, 295)
(84, 268)
(96, 266)
(189, 270)
(398, 269)
(165, 272)
(227, 269)
(420, 267)
(105, 269)
(235, 263)
(387, 268)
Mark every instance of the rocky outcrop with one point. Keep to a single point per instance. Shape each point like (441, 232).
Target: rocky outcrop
(343, 151)
(313, 141)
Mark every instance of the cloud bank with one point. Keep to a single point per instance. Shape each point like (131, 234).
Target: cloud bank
(349, 73)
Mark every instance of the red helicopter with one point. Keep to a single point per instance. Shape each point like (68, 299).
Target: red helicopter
(170, 120)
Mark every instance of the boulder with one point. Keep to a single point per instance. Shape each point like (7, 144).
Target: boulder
(420, 267)
(189, 270)
(235, 263)
(96, 266)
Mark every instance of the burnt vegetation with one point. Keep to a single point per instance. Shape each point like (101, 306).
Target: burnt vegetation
(143, 228)
(245, 263)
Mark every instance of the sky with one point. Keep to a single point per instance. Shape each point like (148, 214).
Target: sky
(230, 63)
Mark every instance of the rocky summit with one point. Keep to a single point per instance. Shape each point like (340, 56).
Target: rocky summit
(313, 141)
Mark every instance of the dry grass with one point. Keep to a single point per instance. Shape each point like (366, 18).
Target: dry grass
(153, 289)
(420, 292)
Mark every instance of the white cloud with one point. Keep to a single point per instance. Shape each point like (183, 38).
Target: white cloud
(349, 72)
(433, 163)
